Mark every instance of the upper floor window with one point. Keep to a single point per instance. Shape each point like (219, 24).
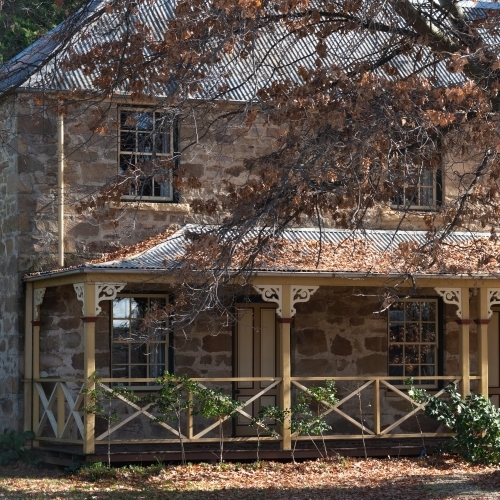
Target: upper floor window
(146, 152)
(413, 340)
(419, 189)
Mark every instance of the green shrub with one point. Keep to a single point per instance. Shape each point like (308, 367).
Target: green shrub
(172, 399)
(96, 471)
(266, 414)
(474, 419)
(212, 403)
(12, 447)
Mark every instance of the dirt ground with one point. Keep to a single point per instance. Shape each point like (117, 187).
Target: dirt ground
(427, 478)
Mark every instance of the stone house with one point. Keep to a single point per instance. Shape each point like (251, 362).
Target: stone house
(65, 313)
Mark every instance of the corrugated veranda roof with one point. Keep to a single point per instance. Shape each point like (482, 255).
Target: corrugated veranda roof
(167, 255)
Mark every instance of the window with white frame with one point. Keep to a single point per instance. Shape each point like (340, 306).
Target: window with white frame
(413, 340)
(418, 188)
(145, 153)
(140, 338)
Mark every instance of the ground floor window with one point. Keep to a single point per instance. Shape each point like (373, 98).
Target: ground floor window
(140, 338)
(413, 340)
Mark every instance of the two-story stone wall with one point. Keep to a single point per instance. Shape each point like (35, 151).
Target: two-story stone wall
(29, 184)
(11, 305)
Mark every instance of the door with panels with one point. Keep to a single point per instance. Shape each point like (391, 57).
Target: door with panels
(493, 359)
(255, 356)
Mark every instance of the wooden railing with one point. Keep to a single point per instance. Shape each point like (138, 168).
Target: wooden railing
(58, 403)
(376, 384)
(58, 414)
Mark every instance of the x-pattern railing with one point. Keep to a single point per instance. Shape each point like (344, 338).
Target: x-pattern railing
(62, 395)
(144, 410)
(376, 382)
(62, 407)
(416, 406)
(335, 408)
(238, 410)
(138, 412)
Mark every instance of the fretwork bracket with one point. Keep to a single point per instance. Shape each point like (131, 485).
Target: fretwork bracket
(38, 295)
(274, 293)
(452, 296)
(300, 293)
(103, 291)
(493, 299)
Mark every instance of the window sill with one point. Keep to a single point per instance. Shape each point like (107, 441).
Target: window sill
(415, 208)
(178, 208)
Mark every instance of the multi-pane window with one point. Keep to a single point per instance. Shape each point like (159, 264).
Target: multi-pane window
(140, 339)
(419, 189)
(145, 152)
(413, 340)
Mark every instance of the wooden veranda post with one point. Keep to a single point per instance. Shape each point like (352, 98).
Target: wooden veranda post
(285, 365)
(36, 375)
(28, 358)
(459, 297)
(89, 319)
(483, 318)
(464, 349)
(38, 295)
(376, 406)
(285, 296)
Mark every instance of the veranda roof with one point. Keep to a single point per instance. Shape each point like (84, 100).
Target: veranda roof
(292, 251)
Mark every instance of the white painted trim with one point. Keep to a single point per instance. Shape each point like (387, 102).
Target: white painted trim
(300, 293)
(103, 291)
(493, 299)
(38, 295)
(272, 293)
(452, 296)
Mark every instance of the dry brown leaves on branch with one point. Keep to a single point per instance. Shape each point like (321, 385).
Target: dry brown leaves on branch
(141, 246)
(474, 256)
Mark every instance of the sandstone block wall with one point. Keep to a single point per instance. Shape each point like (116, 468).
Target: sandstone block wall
(204, 351)
(91, 161)
(61, 335)
(11, 300)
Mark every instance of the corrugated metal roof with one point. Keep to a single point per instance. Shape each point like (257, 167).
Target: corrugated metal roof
(277, 54)
(167, 255)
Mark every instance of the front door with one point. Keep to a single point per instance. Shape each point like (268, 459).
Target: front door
(255, 356)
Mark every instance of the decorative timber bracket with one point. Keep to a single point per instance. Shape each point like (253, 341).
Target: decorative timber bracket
(493, 299)
(103, 291)
(38, 295)
(452, 296)
(274, 293)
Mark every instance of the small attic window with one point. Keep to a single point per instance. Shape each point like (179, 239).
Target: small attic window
(145, 151)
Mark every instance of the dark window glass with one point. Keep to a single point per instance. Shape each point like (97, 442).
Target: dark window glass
(145, 144)
(413, 345)
(139, 340)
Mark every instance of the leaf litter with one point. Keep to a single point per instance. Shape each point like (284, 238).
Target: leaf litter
(338, 478)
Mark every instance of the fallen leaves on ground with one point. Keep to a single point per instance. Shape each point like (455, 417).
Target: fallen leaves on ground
(338, 478)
